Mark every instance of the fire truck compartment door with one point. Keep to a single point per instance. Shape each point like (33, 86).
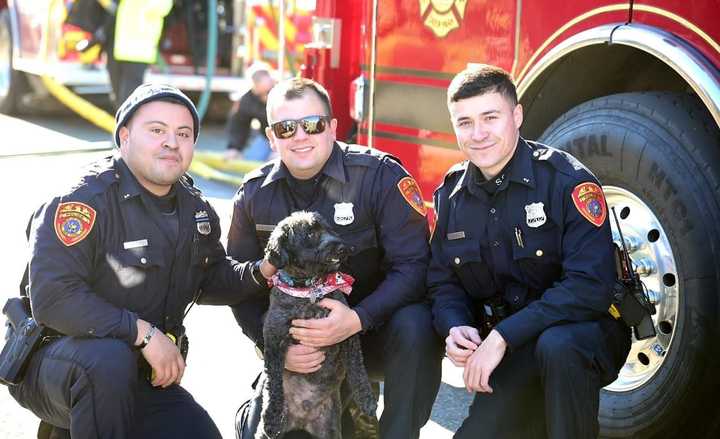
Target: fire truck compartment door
(326, 35)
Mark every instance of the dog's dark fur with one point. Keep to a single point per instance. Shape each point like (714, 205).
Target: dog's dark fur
(304, 247)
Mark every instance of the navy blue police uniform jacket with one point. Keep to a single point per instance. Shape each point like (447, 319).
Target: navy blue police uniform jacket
(540, 240)
(101, 259)
(370, 201)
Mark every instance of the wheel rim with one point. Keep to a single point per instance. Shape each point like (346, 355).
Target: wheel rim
(651, 254)
(5, 60)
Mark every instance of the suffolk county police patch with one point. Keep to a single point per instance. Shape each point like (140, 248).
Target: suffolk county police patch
(73, 222)
(590, 202)
(411, 192)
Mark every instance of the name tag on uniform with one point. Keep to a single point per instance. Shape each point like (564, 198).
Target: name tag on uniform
(135, 244)
(456, 235)
(264, 227)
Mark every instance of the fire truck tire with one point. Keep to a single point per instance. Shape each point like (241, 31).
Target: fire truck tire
(12, 82)
(658, 157)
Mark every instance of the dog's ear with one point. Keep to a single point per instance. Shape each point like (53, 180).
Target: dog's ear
(276, 248)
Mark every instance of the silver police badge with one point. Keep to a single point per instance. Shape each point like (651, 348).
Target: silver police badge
(202, 220)
(535, 214)
(344, 214)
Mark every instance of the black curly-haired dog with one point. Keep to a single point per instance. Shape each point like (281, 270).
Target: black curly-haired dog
(308, 255)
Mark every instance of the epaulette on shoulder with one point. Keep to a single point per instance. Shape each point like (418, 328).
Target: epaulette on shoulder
(559, 159)
(96, 178)
(260, 172)
(365, 156)
(455, 171)
(187, 182)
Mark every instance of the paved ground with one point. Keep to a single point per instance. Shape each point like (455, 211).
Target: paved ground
(222, 363)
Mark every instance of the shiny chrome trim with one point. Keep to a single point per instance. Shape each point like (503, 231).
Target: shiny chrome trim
(562, 29)
(590, 37)
(680, 56)
(373, 61)
(679, 19)
(674, 52)
(652, 260)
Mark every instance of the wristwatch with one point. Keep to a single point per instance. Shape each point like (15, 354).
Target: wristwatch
(147, 338)
(257, 274)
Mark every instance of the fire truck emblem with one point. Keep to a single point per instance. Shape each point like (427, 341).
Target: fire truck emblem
(442, 16)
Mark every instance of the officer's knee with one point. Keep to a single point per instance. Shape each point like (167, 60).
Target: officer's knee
(556, 345)
(113, 368)
(412, 331)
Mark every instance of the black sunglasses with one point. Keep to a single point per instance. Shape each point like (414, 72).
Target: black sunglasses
(285, 129)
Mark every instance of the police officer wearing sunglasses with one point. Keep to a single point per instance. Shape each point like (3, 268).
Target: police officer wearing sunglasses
(376, 207)
(115, 262)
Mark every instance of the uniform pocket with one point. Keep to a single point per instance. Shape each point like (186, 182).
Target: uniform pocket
(262, 232)
(465, 258)
(360, 239)
(137, 273)
(365, 262)
(537, 252)
(206, 251)
(141, 257)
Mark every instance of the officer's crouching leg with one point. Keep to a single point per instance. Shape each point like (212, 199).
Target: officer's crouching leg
(407, 352)
(576, 360)
(82, 384)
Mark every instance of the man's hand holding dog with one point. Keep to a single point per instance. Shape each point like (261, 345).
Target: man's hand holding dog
(303, 359)
(341, 323)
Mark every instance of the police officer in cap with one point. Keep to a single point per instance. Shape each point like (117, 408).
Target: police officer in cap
(115, 262)
(376, 207)
(521, 273)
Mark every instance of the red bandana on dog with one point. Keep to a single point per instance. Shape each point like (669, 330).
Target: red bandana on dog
(331, 282)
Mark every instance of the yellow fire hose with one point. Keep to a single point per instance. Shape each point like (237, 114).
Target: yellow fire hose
(208, 165)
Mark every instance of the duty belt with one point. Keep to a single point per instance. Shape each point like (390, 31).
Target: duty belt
(492, 311)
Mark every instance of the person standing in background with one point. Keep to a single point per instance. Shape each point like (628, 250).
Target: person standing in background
(128, 31)
(244, 140)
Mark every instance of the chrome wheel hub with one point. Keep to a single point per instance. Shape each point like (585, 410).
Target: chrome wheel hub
(652, 257)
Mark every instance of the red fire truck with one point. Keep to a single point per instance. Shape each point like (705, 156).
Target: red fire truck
(36, 41)
(630, 88)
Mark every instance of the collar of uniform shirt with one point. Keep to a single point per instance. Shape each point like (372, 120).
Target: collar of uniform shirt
(518, 169)
(334, 167)
(521, 170)
(129, 186)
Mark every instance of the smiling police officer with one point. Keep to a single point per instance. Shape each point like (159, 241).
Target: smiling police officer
(115, 262)
(376, 207)
(522, 272)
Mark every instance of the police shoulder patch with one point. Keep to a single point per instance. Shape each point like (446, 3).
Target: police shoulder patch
(73, 222)
(411, 192)
(590, 202)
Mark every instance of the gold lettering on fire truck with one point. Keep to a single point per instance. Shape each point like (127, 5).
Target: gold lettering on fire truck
(442, 16)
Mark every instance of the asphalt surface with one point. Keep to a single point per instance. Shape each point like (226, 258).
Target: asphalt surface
(40, 155)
